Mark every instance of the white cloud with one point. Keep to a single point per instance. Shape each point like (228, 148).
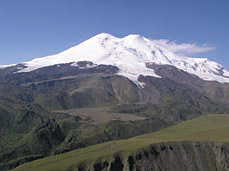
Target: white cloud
(184, 48)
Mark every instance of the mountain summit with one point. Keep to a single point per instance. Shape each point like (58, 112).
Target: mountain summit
(131, 54)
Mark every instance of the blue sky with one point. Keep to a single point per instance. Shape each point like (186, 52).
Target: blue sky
(35, 28)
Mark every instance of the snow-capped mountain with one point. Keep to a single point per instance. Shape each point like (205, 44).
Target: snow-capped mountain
(131, 55)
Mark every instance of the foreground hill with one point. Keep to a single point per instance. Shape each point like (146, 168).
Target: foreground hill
(198, 144)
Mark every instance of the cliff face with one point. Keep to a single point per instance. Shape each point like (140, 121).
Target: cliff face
(170, 157)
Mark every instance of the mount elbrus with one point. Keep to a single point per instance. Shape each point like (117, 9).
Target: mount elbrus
(103, 89)
(132, 55)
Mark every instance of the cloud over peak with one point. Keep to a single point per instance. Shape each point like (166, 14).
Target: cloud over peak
(184, 48)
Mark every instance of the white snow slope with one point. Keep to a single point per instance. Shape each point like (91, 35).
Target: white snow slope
(130, 54)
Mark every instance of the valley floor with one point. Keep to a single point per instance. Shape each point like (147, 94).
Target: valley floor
(98, 115)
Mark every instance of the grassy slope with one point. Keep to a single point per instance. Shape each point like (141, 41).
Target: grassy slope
(205, 128)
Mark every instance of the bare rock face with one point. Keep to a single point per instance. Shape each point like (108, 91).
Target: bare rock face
(182, 156)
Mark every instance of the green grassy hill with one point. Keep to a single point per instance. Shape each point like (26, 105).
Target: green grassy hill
(209, 128)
